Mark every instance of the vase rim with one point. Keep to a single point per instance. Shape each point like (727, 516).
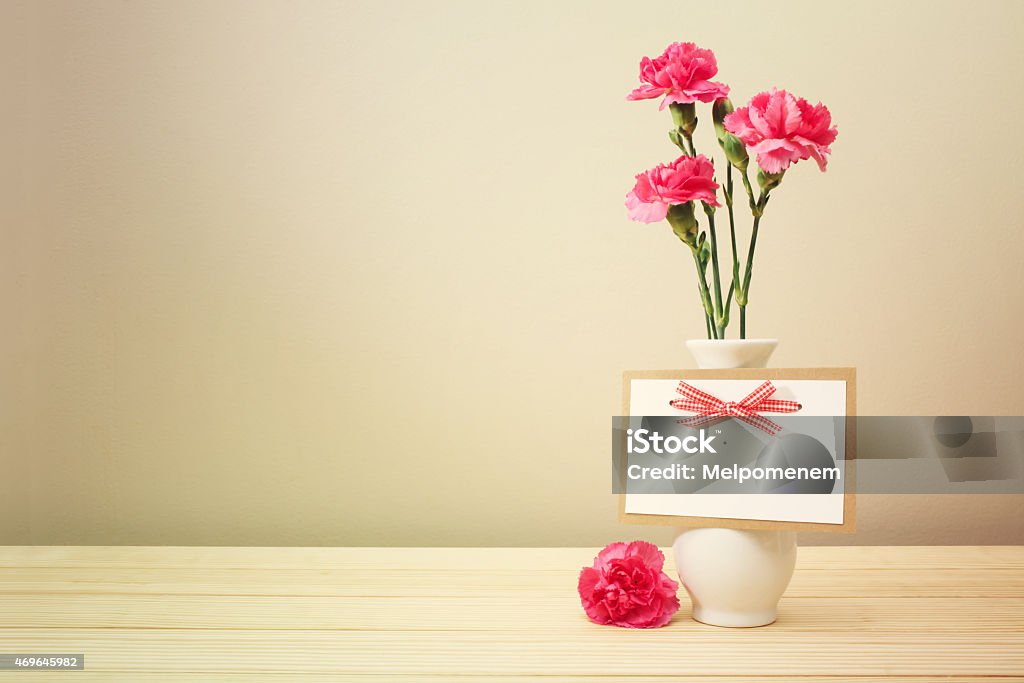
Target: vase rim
(758, 340)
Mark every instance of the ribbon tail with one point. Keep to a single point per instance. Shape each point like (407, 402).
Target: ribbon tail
(763, 423)
(698, 420)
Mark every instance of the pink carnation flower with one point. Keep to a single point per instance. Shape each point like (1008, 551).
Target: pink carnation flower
(683, 180)
(681, 74)
(626, 587)
(782, 129)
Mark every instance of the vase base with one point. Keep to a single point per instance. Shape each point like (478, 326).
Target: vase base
(714, 617)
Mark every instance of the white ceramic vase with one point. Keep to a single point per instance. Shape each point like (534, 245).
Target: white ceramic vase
(721, 354)
(735, 577)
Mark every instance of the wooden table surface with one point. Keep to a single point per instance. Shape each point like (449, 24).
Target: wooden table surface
(406, 614)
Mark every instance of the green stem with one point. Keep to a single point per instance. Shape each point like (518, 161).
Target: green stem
(750, 255)
(705, 294)
(750, 193)
(743, 293)
(745, 289)
(716, 277)
(718, 317)
(732, 225)
(707, 318)
(732, 238)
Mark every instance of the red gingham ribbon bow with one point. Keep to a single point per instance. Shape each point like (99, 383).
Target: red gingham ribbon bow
(710, 408)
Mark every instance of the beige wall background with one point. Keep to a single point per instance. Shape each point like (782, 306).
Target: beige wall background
(360, 273)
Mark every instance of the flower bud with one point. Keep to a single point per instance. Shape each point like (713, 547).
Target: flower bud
(703, 252)
(684, 223)
(719, 110)
(735, 151)
(733, 147)
(684, 116)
